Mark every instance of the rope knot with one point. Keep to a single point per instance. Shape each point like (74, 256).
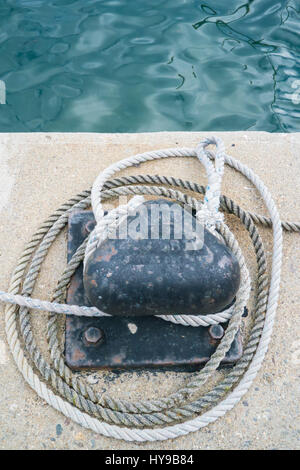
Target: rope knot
(109, 223)
(209, 218)
(209, 214)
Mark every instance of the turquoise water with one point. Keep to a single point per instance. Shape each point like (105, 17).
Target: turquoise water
(149, 65)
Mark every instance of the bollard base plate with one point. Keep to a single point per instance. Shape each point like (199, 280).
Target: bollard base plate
(131, 342)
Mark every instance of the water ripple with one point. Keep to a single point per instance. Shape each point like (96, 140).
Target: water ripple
(126, 66)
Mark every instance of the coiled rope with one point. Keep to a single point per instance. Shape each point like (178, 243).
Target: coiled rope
(179, 413)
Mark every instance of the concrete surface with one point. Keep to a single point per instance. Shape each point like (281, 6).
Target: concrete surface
(40, 171)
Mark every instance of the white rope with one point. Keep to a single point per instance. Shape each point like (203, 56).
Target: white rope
(131, 434)
(214, 174)
(109, 223)
(186, 320)
(208, 215)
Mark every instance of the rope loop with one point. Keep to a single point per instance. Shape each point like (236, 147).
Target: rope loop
(109, 223)
(209, 214)
(185, 410)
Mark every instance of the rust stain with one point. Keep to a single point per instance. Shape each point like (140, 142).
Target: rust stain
(78, 355)
(73, 287)
(118, 358)
(108, 256)
(213, 341)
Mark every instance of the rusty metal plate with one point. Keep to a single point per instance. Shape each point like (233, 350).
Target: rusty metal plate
(129, 342)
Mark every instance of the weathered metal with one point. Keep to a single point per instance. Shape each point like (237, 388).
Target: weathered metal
(129, 342)
(93, 335)
(144, 275)
(216, 331)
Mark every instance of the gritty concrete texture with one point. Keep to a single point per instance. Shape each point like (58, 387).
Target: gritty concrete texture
(40, 171)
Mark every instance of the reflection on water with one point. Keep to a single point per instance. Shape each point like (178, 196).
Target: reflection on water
(136, 66)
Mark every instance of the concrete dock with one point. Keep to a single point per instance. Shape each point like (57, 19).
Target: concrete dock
(40, 171)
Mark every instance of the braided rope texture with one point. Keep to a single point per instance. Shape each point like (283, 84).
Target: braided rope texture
(121, 406)
(178, 414)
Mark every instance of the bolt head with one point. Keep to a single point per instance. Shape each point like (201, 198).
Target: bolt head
(93, 335)
(89, 226)
(216, 331)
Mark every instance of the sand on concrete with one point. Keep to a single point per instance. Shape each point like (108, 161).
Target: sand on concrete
(40, 171)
